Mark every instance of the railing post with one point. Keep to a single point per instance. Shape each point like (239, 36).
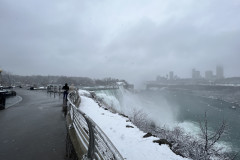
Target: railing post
(91, 147)
(73, 109)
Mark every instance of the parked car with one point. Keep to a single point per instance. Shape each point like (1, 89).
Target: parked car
(10, 93)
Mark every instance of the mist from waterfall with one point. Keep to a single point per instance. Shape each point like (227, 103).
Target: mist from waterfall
(156, 108)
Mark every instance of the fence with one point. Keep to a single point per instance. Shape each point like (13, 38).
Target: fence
(95, 144)
(54, 88)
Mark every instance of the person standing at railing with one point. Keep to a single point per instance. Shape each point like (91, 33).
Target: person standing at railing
(65, 93)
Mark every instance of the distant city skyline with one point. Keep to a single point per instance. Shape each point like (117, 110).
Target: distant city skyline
(197, 74)
(209, 74)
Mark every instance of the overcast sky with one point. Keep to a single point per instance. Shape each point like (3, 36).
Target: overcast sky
(127, 39)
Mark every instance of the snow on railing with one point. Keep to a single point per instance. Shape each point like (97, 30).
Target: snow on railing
(95, 142)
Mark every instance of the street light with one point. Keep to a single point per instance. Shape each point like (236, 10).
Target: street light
(0, 77)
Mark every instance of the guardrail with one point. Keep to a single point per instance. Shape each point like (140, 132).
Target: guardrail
(54, 88)
(100, 88)
(96, 144)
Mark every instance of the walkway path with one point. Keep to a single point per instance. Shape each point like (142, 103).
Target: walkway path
(34, 129)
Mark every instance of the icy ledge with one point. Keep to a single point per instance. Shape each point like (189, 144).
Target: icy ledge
(129, 141)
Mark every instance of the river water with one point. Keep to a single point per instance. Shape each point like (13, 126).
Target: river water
(191, 109)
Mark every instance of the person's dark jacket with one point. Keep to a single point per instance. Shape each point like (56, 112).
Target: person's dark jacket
(65, 88)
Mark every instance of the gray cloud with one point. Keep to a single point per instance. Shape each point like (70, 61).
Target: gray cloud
(134, 40)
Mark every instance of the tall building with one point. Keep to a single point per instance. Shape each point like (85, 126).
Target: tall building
(209, 75)
(193, 73)
(196, 74)
(219, 72)
(171, 74)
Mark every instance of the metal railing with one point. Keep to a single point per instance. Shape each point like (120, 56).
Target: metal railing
(100, 88)
(94, 141)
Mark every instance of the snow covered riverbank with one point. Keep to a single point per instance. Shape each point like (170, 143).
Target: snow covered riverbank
(129, 141)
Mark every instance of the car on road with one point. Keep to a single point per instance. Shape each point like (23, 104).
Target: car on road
(10, 93)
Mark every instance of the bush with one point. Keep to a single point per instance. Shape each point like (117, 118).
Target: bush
(202, 148)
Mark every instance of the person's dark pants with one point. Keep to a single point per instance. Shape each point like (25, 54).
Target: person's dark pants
(65, 93)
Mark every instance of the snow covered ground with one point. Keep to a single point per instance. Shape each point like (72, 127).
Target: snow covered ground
(129, 141)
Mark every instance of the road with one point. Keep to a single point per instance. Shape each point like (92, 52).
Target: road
(33, 129)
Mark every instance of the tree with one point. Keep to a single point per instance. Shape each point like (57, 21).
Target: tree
(210, 139)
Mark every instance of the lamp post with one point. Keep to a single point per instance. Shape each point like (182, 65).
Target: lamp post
(0, 77)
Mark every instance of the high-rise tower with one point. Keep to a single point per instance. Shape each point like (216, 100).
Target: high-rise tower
(209, 75)
(171, 74)
(196, 74)
(219, 72)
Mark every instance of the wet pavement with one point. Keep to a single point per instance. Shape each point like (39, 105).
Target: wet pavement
(33, 129)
